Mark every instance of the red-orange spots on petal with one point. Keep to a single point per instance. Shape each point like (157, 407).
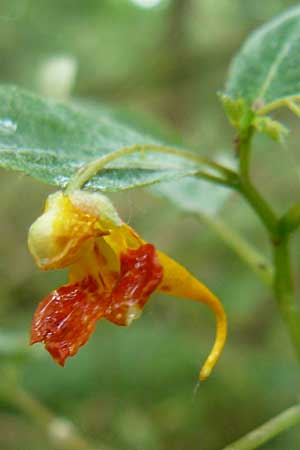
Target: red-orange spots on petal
(66, 318)
(165, 288)
(140, 274)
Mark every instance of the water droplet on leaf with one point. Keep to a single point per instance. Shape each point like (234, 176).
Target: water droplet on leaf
(7, 126)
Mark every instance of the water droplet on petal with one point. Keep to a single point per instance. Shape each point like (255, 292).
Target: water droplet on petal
(133, 313)
(7, 126)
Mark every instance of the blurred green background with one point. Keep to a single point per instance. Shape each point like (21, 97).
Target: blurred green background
(135, 388)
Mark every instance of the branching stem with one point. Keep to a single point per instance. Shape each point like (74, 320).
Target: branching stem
(279, 231)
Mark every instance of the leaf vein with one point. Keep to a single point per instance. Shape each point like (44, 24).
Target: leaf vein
(276, 63)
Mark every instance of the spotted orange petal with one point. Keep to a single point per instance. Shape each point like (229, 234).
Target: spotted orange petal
(140, 275)
(66, 318)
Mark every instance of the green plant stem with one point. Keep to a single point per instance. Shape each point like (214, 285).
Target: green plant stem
(284, 290)
(260, 206)
(61, 432)
(268, 430)
(291, 220)
(228, 183)
(242, 248)
(279, 236)
(288, 102)
(253, 197)
(89, 170)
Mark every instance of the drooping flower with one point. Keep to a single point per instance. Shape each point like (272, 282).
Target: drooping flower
(112, 273)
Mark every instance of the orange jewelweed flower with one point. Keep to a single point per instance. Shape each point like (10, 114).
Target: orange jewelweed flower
(112, 273)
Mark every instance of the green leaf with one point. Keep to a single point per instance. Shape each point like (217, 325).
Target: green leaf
(193, 195)
(50, 141)
(267, 67)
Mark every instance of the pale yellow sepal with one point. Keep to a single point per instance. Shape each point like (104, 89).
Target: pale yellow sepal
(97, 205)
(56, 237)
